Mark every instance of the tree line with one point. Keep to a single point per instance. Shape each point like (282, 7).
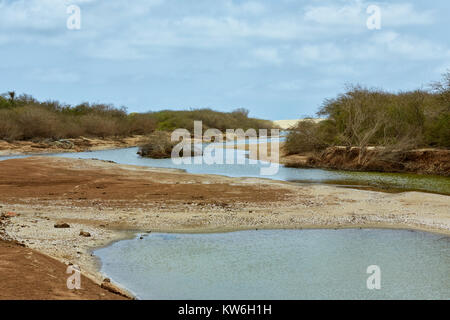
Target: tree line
(363, 117)
(23, 117)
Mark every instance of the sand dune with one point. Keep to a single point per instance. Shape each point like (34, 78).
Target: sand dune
(286, 124)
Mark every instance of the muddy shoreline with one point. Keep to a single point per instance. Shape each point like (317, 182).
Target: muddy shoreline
(113, 202)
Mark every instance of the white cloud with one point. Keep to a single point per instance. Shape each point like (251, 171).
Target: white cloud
(322, 33)
(355, 15)
(409, 47)
(249, 7)
(313, 53)
(404, 14)
(269, 55)
(336, 15)
(32, 14)
(111, 49)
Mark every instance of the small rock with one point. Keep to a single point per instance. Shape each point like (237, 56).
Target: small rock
(21, 244)
(110, 287)
(61, 225)
(84, 233)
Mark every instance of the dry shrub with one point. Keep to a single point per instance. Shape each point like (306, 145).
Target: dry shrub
(37, 122)
(95, 125)
(141, 124)
(72, 127)
(307, 136)
(9, 130)
(158, 146)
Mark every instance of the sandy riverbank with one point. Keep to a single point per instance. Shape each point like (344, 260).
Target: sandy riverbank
(111, 201)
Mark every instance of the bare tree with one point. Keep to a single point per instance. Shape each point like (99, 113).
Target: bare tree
(363, 123)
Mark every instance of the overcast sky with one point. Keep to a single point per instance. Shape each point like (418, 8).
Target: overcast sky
(279, 59)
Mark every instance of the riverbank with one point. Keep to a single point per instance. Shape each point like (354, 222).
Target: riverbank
(420, 161)
(104, 202)
(45, 146)
(28, 274)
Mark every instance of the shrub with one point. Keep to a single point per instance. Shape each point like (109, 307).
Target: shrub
(157, 146)
(9, 130)
(141, 124)
(308, 136)
(23, 117)
(37, 122)
(98, 126)
(363, 117)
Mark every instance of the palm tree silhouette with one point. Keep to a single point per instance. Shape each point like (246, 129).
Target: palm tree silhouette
(12, 96)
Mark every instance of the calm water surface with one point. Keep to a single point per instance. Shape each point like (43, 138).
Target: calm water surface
(377, 180)
(281, 264)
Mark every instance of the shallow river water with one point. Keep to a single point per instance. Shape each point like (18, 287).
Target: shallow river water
(281, 264)
(392, 182)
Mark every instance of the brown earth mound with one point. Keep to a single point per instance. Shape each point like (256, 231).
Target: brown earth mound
(425, 161)
(84, 181)
(28, 274)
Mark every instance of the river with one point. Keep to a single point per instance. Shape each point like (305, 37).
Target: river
(281, 264)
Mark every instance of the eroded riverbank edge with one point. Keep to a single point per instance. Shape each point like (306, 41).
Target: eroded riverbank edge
(82, 144)
(114, 202)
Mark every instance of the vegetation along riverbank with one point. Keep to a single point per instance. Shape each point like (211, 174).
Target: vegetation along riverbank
(374, 130)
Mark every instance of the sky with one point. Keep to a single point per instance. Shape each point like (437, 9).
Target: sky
(279, 59)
